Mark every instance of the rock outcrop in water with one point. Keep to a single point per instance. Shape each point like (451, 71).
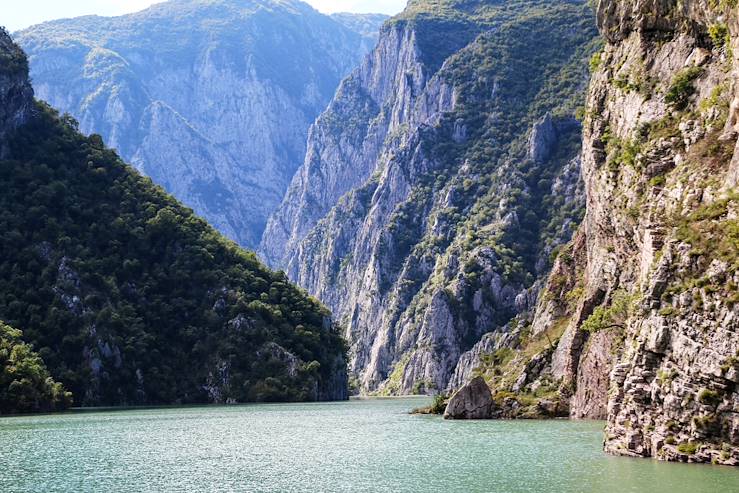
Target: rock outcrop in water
(472, 401)
(127, 296)
(420, 216)
(212, 100)
(639, 320)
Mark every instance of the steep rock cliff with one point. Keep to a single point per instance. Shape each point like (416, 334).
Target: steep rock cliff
(16, 96)
(438, 182)
(211, 99)
(639, 320)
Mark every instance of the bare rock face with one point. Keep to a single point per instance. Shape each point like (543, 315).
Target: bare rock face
(473, 401)
(419, 216)
(593, 376)
(212, 100)
(638, 322)
(469, 361)
(545, 135)
(16, 94)
(669, 394)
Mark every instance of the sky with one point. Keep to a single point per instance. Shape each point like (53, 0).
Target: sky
(18, 14)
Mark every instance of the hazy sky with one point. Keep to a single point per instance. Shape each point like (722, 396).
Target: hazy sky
(17, 14)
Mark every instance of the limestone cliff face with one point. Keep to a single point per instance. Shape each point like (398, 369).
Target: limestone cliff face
(437, 183)
(346, 141)
(638, 322)
(16, 95)
(211, 99)
(662, 225)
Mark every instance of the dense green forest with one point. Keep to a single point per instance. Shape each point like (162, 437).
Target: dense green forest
(25, 384)
(130, 298)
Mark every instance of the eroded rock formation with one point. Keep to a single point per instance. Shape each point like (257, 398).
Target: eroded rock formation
(437, 184)
(211, 100)
(472, 401)
(639, 320)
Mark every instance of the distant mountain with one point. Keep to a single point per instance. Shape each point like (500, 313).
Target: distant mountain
(368, 25)
(210, 98)
(125, 294)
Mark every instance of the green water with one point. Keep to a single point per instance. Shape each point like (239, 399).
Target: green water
(369, 445)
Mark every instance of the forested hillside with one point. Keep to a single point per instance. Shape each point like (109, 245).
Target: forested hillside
(127, 296)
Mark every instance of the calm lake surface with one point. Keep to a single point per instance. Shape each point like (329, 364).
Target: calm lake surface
(361, 445)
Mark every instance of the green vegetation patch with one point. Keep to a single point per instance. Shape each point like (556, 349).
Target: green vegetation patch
(711, 233)
(682, 87)
(709, 397)
(395, 380)
(621, 152)
(595, 62)
(132, 299)
(723, 4)
(719, 34)
(13, 61)
(613, 315)
(688, 448)
(25, 383)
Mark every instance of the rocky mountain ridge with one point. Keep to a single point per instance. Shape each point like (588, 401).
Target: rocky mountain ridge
(212, 99)
(438, 182)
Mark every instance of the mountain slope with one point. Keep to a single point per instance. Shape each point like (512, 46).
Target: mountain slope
(127, 296)
(438, 182)
(639, 323)
(210, 98)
